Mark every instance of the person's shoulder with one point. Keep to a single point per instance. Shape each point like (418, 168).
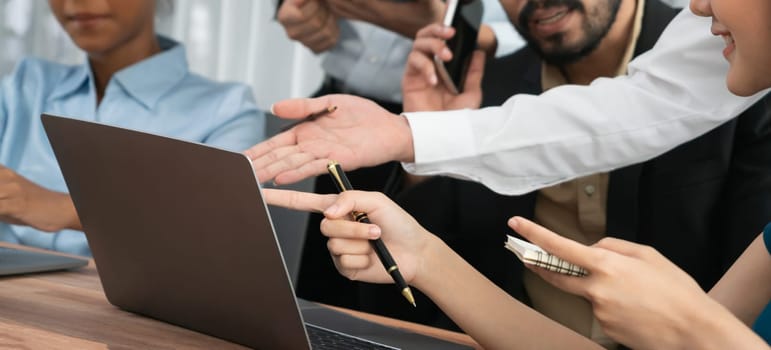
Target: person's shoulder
(37, 79)
(217, 89)
(221, 99)
(233, 117)
(38, 71)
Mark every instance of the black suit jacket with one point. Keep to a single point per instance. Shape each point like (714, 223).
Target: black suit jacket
(700, 204)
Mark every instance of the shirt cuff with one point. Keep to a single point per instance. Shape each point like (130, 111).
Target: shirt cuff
(440, 136)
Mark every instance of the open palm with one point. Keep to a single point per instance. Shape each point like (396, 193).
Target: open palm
(359, 133)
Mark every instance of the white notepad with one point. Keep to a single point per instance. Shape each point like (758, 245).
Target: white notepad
(532, 254)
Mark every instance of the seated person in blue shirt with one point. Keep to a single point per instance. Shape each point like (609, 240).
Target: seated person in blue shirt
(132, 79)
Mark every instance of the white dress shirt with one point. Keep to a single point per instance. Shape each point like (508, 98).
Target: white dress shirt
(370, 60)
(673, 93)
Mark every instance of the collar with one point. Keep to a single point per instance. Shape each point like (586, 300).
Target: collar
(146, 81)
(149, 80)
(551, 76)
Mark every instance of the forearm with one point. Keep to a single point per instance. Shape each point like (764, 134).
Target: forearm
(746, 289)
(409, 17)
(714, 327)
(484, 311)
(532, 142)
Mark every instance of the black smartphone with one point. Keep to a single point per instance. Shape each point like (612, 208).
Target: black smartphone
(465, 17)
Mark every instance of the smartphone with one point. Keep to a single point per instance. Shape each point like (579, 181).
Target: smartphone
(465, 17)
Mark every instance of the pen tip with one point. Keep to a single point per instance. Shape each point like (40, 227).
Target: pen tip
(407, 293)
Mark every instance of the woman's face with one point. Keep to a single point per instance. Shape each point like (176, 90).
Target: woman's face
(745, 25)
(100, 26)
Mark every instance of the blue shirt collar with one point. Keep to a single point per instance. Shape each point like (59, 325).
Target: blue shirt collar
(146, 81)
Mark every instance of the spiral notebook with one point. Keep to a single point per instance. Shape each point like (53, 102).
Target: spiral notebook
(533, 255)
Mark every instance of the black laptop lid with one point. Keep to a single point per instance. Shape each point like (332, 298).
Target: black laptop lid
(179, 232)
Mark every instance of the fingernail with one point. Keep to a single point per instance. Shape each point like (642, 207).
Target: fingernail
(514, 223)
(432, 80)
(446, 52)
(374, 232)
(445, 30)
(332, 210)
(271, 109)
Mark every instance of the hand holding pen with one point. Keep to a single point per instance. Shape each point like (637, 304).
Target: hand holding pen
(341, 182)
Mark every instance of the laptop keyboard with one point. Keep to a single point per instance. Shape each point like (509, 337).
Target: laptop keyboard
(324, 339)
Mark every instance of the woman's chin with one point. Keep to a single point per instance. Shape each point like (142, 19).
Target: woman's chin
(746, 86)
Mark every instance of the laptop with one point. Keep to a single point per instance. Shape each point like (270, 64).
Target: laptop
(180, 233)
(17, 261)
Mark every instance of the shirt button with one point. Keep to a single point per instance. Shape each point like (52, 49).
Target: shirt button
(589, 190)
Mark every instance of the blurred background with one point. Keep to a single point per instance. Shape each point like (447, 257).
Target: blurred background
(229, 40)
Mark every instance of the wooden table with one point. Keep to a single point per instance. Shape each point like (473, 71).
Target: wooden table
(68, 310)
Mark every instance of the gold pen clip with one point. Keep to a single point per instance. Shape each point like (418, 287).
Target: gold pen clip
(343, 185)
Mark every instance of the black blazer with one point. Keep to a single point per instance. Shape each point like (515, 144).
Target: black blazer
(700, 204)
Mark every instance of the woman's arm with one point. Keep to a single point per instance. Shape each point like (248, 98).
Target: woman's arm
(403, 17)
(491, 316)
(23, 202)
(485, 312)
(746, 288)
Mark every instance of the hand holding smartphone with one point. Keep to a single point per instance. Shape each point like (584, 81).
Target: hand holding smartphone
(466, 17)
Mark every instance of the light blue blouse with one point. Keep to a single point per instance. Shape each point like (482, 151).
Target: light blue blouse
(158, 95)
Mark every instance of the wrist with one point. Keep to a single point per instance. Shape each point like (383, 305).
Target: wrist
(429, 263)
(73, 221)
(409, 18)
(406, 145)
(68, 215)
(709, 325)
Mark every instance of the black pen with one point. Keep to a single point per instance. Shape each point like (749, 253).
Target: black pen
(311, 117)
(342, 184)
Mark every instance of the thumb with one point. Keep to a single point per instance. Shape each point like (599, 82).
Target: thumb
(297, 108)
